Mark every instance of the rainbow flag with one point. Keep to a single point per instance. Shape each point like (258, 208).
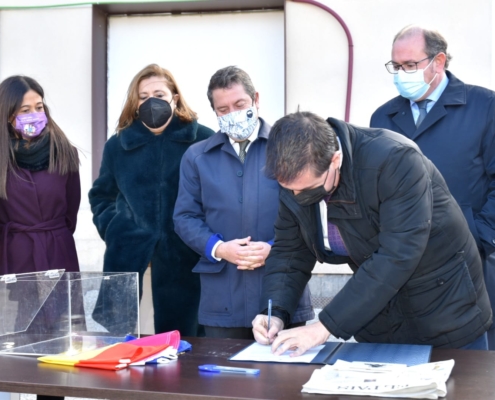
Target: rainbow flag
(121, 355)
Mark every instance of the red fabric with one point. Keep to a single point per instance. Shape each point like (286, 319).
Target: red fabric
(171, 338)
(111, 357)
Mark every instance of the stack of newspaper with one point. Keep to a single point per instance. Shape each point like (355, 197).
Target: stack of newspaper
(423, 381)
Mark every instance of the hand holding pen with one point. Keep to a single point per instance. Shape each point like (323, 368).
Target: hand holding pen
(266, 327)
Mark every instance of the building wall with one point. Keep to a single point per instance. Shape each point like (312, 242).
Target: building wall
(193, 47)
(316, 54)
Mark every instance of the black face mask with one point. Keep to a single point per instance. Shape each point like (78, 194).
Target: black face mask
(155, 112)
(311, 196)
(315, 195)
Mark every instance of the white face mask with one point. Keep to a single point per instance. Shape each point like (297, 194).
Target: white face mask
(239, 125)
(412, 86)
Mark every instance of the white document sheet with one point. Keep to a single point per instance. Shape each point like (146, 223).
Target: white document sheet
(260, 352)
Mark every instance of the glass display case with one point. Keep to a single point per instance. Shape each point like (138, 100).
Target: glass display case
(56, 312)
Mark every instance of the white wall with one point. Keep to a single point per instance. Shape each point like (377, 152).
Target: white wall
(53, 46)
(193, 47)
(491, 44)
(317, 49)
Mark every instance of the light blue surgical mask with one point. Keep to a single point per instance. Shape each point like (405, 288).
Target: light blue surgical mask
(412, 86)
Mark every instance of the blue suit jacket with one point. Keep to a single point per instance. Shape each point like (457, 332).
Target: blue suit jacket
(218, 195)
(458, 135)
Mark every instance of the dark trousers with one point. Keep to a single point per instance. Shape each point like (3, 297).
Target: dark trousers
(237, 333)
(489, 274)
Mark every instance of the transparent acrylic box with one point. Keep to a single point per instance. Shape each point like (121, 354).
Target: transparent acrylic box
(55, 312)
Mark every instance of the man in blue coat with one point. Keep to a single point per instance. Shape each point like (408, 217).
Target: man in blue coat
(454, 125)
(226, 209)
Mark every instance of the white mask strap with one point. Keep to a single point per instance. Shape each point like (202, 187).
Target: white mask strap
(340, 151)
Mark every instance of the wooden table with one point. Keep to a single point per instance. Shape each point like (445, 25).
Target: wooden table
(473, 377)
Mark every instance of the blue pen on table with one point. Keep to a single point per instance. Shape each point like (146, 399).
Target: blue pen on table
(219, 368)
(269, 315)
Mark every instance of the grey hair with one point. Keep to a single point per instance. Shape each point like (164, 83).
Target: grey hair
(434, 42)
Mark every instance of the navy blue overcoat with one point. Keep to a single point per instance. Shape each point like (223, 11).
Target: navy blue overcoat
(219, 195)
(458, 135)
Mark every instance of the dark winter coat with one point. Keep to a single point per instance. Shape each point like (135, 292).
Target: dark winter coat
(37, 222)
(132, 203)
(458, 135)
(418, 276)
(219, 195)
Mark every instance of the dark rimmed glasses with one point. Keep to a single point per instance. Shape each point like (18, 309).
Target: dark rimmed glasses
(408, 67)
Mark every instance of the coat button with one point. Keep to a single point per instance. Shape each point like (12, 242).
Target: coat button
(239, 173)
(240, 199)
(440, 281)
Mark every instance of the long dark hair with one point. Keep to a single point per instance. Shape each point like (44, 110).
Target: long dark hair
(63, 155)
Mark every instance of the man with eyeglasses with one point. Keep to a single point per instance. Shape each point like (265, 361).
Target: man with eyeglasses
(454, 125)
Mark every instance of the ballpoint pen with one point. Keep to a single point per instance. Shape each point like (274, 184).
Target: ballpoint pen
(219, 368)
(269, 315)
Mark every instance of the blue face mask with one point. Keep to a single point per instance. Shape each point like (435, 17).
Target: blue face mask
(412, 86)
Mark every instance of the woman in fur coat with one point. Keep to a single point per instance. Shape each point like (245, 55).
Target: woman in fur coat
(133, 198)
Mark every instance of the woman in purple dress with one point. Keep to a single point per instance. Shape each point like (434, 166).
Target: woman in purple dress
(39, 184)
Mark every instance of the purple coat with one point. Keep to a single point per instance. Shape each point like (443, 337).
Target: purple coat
(37, 222)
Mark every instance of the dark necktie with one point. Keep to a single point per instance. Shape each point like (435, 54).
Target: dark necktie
(422, 111)
(242, 150)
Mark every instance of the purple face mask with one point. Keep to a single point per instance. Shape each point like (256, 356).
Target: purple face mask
(30, 125)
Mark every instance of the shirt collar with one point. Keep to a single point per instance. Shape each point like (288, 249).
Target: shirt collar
(435, 95)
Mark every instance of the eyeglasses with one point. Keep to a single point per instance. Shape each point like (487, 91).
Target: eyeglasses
(408, 67)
